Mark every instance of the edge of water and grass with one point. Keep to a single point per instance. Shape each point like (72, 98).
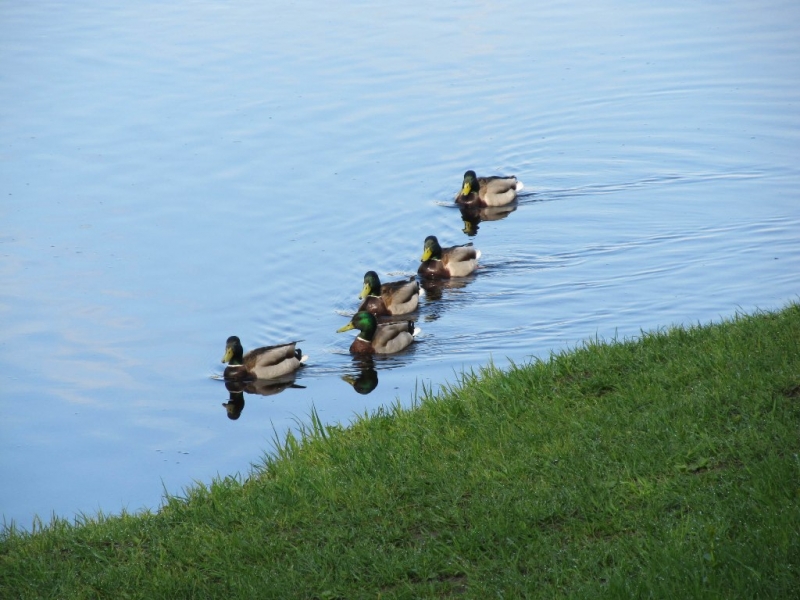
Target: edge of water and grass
(665, 467)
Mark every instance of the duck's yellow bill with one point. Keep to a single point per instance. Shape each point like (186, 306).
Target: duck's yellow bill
(228, 355)
(426, 254)
(347, 327)
(466, 189)
(365, 292)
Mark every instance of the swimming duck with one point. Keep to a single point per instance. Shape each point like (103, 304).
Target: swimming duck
(393, 298)
(387, 338)
(487, 191)
(442, 263)
(262, 363)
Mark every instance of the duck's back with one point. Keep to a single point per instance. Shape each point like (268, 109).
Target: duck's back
(401, 297)
(273, 361)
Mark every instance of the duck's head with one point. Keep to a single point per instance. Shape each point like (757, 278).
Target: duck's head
(233, 351)
(470, 183)
(432, 249)
(364, 322)
(372, 285)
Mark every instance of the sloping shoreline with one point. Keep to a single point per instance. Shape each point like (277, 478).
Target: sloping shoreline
(665, 466)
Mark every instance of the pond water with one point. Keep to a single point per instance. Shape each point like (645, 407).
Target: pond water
(174, 174)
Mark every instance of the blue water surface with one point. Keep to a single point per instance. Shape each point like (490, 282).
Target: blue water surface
(174, 174)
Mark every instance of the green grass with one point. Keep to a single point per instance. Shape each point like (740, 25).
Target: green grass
(665, 467)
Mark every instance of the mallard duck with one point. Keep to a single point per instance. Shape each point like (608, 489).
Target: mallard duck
(379, 339)
(393, 298)
(487, 191)
(269, 362)
(442, 263)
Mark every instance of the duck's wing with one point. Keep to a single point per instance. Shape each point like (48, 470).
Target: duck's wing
(401, 296)
(499, 184)
(456, 254)
(460, 261)
(269, 355)
(497, 191)
(393, 337)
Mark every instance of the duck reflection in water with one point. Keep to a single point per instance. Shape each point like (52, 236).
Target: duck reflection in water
(474, 215)
(366, 377)
(435, 289)
(262, 387)
(235, 405)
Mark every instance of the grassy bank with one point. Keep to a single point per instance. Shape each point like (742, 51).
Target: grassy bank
(666, 467)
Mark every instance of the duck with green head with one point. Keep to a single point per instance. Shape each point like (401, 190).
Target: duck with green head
(269, 362)
(387, 338)
(487, 191)
(393, 298)
(443, 263)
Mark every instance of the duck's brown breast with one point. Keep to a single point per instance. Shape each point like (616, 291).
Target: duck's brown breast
(360, 346)
(374, 305)
(236, 373)
(433, 269)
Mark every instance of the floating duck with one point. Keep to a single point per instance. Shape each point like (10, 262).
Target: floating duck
(387, 338)
(393, 298)
(442, 263)
(488, 191)
(269, 362)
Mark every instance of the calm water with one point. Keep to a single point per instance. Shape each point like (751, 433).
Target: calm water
(173, 175)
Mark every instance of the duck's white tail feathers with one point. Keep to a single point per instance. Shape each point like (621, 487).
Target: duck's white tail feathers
(520, 186)
(421, 292)
(477, 254)
(416, 331)
(303, 358)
